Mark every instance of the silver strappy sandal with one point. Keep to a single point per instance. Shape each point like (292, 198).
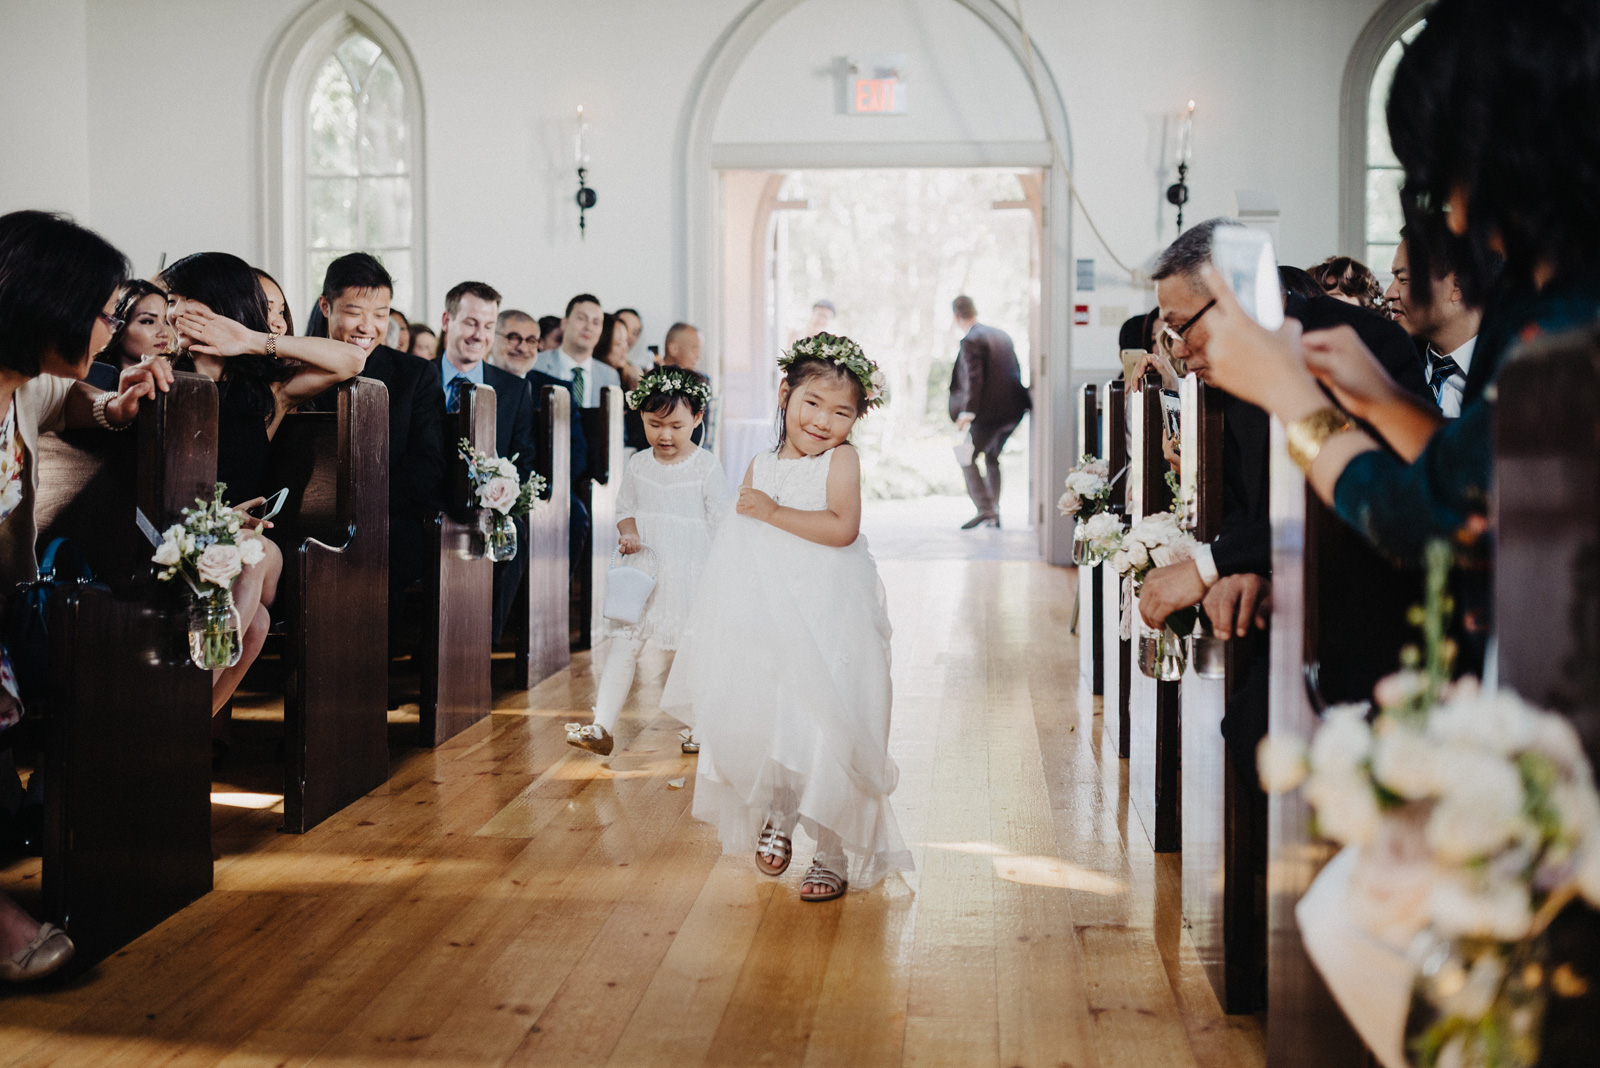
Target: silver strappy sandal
(773, 851)
(820, 876)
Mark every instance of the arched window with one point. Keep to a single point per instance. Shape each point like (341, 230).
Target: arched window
(344, 152)
(1384, 174)
(1369, 175)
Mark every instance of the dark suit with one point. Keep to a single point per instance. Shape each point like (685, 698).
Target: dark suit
(987, 381)
(578, 524)
(513, 437)
(416, 459)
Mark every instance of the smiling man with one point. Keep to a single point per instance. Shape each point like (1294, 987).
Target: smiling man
(574, 361)
(355, 299)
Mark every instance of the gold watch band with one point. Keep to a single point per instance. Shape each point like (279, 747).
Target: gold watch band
(1306, 436)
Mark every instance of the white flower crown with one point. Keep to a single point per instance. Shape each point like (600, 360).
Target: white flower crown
(671, 382)
(847, 354)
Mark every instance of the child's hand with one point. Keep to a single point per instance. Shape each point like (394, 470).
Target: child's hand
(628, 544)
(755, 504)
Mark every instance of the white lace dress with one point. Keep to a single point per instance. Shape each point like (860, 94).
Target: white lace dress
(677, 508)
(783, 673)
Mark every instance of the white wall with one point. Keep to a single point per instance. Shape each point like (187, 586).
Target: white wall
(159, 99)
(44, 106)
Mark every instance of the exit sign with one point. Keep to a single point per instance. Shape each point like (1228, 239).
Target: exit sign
(874, 85)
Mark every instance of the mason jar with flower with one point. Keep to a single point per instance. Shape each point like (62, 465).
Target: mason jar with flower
(208, 551)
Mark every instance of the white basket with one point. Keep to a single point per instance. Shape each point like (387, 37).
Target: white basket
(628, 587)
(964, 449)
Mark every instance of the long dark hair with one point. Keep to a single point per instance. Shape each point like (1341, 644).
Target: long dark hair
(805, 368)
(608, 330)
(288, 314)
(229, 286)
(55, 277)
(129, 296)
(1499, 100)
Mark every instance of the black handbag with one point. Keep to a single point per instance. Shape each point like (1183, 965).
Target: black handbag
(27, 627)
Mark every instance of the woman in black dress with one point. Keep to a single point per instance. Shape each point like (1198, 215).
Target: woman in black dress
(217, 307)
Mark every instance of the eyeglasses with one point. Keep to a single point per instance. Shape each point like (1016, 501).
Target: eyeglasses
(112, 321)
(517, 340)
(1172, 337)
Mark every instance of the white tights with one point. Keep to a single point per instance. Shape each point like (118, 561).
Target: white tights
(616, 679)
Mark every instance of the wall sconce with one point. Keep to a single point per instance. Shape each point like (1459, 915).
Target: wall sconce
(586, 197)
(1178, 192)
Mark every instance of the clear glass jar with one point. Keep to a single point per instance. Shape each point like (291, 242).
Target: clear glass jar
(499, 536)
(215, 631)
(1163, 654)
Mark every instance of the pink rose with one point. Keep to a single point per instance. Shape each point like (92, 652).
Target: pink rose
(220, 565)
(499, 493)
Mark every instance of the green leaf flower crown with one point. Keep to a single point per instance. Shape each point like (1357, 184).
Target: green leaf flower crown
(671, 381)
(847, 354)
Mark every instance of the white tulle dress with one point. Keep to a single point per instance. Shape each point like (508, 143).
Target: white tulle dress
(676, 507)
(783, 672)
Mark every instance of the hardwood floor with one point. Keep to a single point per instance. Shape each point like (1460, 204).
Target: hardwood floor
(507, 900)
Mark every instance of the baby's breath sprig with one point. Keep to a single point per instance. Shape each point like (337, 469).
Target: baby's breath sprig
(672, 381)
(847, 354)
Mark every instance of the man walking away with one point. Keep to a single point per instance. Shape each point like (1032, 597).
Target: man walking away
(987, 397)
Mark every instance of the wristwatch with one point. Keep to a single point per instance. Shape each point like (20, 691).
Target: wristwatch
(272, 346)
(1306, 436)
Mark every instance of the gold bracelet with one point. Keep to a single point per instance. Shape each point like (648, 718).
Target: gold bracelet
(272, 346)
(1305, 437)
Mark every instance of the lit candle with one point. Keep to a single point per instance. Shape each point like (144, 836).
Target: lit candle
(582, 126)
(1186, 135)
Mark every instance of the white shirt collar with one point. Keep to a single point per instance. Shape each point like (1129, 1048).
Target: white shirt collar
(1463, 355)
(568, 364)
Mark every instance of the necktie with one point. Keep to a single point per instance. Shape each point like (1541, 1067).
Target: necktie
(577, 386)
(458, 385)
(1443, 368)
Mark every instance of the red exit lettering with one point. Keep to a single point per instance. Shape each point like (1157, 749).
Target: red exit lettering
(875, 94)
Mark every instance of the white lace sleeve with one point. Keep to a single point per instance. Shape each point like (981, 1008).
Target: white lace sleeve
(715, 492)
(627, 493)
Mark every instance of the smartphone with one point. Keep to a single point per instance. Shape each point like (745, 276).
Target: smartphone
(1172, 409)
(1245, 259)
(271, 506)
(655, 350)
(1130, 363)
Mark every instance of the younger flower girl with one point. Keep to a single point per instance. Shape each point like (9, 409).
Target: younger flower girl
(784, 668)
(672, 496)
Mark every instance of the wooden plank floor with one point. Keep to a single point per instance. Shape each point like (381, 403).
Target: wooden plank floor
(506, 900)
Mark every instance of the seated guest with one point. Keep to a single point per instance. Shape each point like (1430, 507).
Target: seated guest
(549, 332)
(1446, 325)
(1349, 280)
(141, 312)
(424, 342)
(1294, 280)
(279, 319)
(683, 350)
(471, 310)
(1511, 185)
(355, 305)
(516, 342)
(399, 333)
(612, 350)
(58, 308)
(573, 361)
(638, 356)
(219, 312)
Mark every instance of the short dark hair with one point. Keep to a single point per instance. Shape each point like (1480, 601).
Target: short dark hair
(674, 331)
(1186, 256)
(629, 311)
(548, 324)
(1497, 100)
(1295, 280)
(356, 270)
(129, 296)
(482, 290)
(1139, 332)
(964, 307)
(55, 277)
(581, 298)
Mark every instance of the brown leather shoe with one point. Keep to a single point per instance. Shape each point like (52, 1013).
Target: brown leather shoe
(49, 950)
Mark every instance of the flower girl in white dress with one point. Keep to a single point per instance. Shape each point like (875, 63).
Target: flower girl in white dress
(783, 672)
(671, 498)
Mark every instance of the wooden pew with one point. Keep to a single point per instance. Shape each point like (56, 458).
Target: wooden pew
(1224, 814)
(1546, 520)
(1116, 679)
(334, 533)
(545, 646)
(603, 428)
(1305, 1028)
(458, 587)
(1154, 781)
(127, 731)
(1091, 590)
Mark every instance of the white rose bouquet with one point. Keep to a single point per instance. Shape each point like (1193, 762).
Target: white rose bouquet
(494, 482)
(1088, 490)
(1473, 820)
(208, 551)
(1155, 541)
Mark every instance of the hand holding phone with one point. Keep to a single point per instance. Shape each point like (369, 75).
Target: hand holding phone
(259, 512)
